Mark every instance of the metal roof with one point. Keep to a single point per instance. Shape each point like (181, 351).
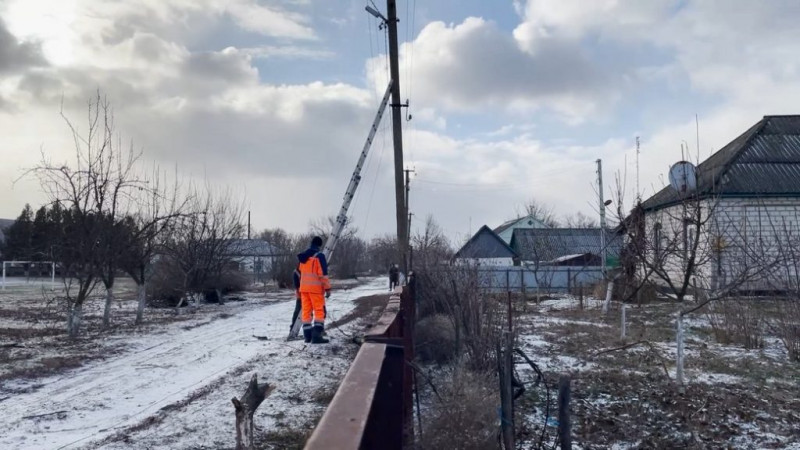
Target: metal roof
(249, 247)
(485, 244)
(549, 244)
(763, 161)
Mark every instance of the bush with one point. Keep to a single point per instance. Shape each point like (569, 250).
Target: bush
(737, 322)
(465, 417)
(168, 285)
(477, 317)
(786, 325)
(435, 339)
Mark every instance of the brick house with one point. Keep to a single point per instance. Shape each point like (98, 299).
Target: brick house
(747, 209)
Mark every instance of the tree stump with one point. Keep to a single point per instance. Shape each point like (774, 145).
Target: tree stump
(251, 399)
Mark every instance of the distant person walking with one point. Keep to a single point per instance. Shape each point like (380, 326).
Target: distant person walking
(394, 277)
(314, 289)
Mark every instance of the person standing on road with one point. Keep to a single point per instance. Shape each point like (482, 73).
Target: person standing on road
(315, 287)
(394, 276)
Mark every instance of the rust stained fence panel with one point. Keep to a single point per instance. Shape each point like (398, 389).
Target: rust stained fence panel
(373, 406)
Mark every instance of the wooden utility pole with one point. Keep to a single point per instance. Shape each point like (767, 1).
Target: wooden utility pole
(602, 216)
(397, 134)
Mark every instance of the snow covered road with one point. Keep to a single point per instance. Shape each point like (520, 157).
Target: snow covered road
(163, 371)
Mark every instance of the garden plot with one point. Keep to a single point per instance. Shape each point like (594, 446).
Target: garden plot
(624, 393)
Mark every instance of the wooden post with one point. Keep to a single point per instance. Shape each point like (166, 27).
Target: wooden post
(251, 399)
(564, 427)
(505, 363)
(580, 296)
(679, 352)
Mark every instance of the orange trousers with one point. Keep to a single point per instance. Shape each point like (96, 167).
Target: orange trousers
(312, 303)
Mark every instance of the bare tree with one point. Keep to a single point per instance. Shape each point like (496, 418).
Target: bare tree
(681, 247)
(349, 255)
(95, 191)
(143, 231)
(541, 212)
(431, 247)
(579, 220)
(197, 243)
(285, 247)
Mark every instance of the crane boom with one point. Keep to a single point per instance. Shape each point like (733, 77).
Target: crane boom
(341, 219)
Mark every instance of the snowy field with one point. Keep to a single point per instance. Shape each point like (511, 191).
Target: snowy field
(170, 385)
(624, 394)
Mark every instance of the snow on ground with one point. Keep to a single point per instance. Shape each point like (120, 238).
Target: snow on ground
(173, 389)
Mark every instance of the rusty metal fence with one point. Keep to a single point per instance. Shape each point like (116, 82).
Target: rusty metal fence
(373, 406)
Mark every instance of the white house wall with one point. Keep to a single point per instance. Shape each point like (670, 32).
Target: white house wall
(749, 236)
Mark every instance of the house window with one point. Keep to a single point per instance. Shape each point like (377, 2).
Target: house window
(657, 240)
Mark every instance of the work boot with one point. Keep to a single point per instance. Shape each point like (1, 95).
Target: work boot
(318, 335)
(307, 333)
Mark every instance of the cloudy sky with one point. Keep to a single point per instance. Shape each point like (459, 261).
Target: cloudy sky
(510, 100)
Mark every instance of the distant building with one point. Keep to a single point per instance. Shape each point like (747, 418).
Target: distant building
(506, 230)
(486, 248)
(253, 256)
(566, 246)
(750, 190)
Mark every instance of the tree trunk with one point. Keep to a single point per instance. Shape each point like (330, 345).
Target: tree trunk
(141, 297)
(74, 316)
(251, 399)
(107, 308)
(679, 351)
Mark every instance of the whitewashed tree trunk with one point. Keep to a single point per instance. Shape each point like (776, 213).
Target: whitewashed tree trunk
(107, 307)
(679, 352)
(609, 290)
(74, 316)
(141, 301)
(624, 326)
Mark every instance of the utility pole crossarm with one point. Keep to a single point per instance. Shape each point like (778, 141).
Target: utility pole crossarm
(341, 219)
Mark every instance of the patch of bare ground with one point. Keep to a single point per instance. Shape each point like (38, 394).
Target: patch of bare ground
(367, 309)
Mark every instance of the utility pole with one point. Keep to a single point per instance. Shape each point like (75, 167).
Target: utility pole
(638, 192)
(397, 133)
(248, 225)
(602, 216)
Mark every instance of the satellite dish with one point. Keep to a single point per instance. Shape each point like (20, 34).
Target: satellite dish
(683, 177)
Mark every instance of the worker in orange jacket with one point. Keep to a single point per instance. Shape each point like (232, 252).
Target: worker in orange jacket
(314, 289)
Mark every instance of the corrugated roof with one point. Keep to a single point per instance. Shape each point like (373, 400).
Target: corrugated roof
(249, 247)
(763, 161)
(548, 244)
(485, 244)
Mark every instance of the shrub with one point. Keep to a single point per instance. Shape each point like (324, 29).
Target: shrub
(465, 417)
(786, 325)
(737, 322)
(435, 339)
(477, 317)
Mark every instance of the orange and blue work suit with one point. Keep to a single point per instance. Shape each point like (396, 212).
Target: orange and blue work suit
(314, 284)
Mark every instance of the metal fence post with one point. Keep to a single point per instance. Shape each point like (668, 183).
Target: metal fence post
(564, 426)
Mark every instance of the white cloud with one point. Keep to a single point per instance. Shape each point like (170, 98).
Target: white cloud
(475, 65)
